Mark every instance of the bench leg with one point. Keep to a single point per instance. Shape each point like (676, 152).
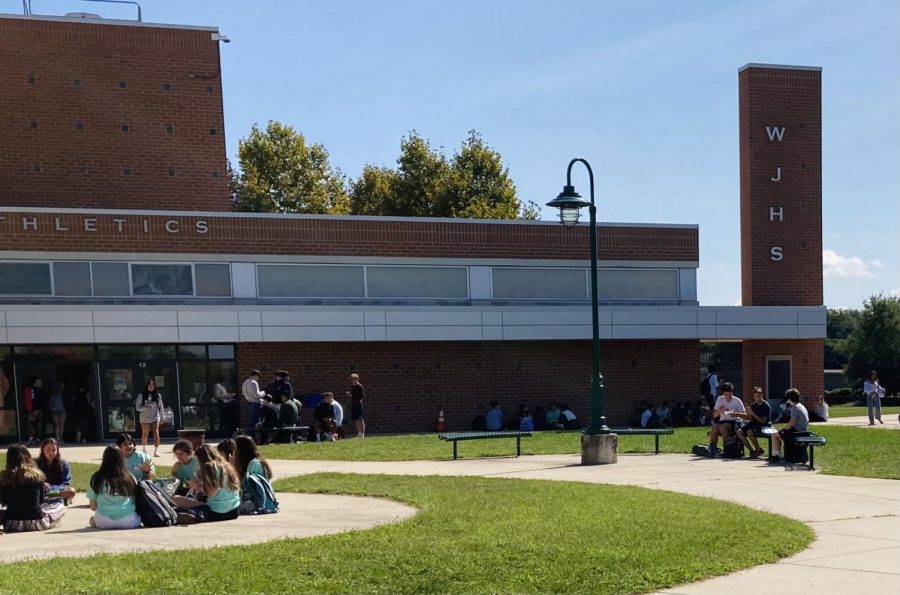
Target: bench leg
(812, 464)
(657, 443)
(769, 436)
(454, 450)
(518, 446)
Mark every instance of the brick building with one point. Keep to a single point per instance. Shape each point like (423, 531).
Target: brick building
(120, 261)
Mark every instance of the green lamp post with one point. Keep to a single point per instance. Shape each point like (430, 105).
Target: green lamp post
(570, 204)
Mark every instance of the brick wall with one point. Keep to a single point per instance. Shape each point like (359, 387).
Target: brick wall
(68, 88)
(407, 383)
(788, 98)
(336, 236)
(806, 365)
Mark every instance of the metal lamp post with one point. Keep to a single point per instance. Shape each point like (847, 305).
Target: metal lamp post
(570, 204)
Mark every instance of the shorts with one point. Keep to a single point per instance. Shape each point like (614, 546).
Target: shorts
(731, 422)
(753, 426)
(357, 412)
(132, 521)
(53, 509)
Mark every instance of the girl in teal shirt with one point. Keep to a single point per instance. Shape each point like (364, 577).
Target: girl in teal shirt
(247, 459)
(221, 485)
(139, 464)
(112, 492)
(186, 468)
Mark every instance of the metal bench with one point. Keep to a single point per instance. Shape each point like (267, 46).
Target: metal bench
(458, 436)
(295, 433)
(655, 432)
(810, 441)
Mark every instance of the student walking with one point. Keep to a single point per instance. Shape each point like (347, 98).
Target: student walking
(150, 404)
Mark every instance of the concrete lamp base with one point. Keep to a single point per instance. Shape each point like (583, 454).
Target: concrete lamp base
(599, 449)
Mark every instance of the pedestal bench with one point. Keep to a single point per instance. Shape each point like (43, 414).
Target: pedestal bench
(655, 432)
(458, 436)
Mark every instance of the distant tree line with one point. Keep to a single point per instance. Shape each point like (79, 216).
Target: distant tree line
(869, 339)
(279, 172)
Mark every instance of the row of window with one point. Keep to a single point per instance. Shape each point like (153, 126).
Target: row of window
(123, 127)
(78, 84)
(115, 279)
(122, 279)
(127, 171)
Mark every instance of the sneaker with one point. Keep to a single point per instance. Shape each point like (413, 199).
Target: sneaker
(186, 518)
(879, 421)
(776, 459)
(754, 454)
(712, 452)
(156, 453)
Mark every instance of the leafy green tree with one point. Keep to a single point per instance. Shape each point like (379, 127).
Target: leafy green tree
(875, 342)
(280, 173)
(839, 326)
(473, 183)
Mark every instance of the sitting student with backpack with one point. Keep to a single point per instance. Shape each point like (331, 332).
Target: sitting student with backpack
(112, 493)
(139, 464)
(257, 495)
(729, 409)
(798, 423)
(221, 485)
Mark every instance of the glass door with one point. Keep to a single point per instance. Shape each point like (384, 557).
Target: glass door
(121, 381)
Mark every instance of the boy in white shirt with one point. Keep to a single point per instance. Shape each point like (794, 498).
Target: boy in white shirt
(729, 409)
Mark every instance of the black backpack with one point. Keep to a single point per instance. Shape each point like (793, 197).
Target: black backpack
(155, 507)
(733, 448)
(792, 453)
(700, 450)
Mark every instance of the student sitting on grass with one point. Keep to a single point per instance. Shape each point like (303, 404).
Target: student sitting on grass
(57, 471)
(221, 485)
(112, 492)
(227, 448)
(139, 464)
(186, 466)
(23, 493)
(247, 459)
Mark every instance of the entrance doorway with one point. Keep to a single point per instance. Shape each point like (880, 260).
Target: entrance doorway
(121, 381)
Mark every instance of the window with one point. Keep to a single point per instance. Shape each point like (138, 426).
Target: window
(417, 282)
(637, 284)
(162, 279)
(24, 278)
(110, 278)
(72, 278)
(310, 281)
(213, 280)
(540, 284)
(221, 352)
(192, 352)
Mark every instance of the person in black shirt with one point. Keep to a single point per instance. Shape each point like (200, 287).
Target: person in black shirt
(757, 418)
(323, 419)
(280, 387)
(268, 418)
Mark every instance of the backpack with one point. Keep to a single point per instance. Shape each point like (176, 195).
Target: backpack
(700, 450)
(705, 387)
(155, 507)
(733, 448)
(257, 495)
(792, 453)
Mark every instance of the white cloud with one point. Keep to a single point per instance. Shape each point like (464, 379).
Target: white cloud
(835, 265)
(894, 293)
(876, 263)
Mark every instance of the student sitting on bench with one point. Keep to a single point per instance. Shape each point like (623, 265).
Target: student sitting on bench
(729, 409)
(757, 419)
(799, 422)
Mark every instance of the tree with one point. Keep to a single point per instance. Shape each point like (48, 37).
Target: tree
(839, 326)
(280, 173)
(875, 342)
(473, 183)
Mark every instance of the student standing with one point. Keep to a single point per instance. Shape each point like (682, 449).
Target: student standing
(874, 393)
(24, 494)
(59, 476)
(150, 404)
(57, 409)
(112, 492)
(357, 395)
(252, 395)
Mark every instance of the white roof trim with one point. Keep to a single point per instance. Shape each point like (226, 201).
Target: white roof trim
(779, 67)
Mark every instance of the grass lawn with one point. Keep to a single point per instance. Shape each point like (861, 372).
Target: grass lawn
(851, 410)
(859, 452)
(472, 535)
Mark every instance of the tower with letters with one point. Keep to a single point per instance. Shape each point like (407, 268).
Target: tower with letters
(781, 216)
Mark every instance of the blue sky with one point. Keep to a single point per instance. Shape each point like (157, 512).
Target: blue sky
(645, 90)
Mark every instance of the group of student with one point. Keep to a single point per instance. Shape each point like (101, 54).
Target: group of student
(556, 418)
(209, 483)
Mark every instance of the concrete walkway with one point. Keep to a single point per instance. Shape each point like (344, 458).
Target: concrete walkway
(856, 520)
(890, 422)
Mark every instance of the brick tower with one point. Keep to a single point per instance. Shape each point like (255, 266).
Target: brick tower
(781, 216)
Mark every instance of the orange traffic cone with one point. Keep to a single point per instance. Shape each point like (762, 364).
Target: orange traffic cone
(441, 425)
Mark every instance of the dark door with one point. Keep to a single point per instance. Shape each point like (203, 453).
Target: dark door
(121, 381)
(778, 380)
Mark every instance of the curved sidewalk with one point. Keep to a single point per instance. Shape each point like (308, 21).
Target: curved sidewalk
(856, 520)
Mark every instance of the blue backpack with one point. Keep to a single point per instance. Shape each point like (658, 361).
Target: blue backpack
(257, 495)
